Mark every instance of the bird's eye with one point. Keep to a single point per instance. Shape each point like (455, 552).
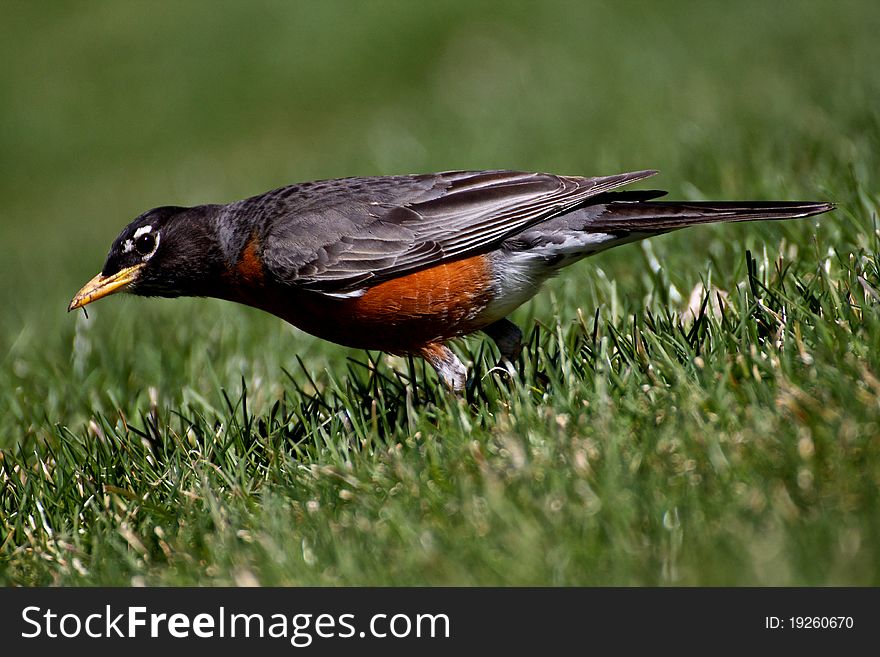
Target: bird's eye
(145, 244)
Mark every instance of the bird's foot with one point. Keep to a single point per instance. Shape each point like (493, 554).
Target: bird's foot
(508, 337)
(447, 365)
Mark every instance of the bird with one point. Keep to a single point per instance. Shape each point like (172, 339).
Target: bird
(402, 264)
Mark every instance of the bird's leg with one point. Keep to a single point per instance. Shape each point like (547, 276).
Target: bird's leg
(449, 368)
(508, 337)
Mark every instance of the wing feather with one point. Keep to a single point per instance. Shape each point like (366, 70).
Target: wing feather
(369, 230)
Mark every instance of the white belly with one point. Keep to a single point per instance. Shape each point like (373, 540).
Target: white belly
(517, 278)
(518, 275)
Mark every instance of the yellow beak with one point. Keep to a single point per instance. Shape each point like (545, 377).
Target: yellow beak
(102, 286)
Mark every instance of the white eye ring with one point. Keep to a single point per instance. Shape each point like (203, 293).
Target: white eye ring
(143, 230)
(140, 232)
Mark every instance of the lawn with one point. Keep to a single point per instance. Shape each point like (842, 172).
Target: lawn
(699, 409)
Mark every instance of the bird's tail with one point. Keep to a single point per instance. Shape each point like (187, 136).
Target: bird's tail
(663, 216)
(624, 217)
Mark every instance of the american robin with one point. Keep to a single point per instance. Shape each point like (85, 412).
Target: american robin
(400, 264)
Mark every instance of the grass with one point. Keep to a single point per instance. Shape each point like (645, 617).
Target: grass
(652, 437)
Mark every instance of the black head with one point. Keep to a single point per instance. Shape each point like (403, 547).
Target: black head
(168, 251)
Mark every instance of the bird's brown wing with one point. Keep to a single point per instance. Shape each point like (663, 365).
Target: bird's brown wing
(340, 237)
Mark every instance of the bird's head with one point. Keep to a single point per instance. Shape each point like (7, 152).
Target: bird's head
(168, 251)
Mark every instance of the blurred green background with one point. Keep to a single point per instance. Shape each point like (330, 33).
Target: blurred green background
(111, 108)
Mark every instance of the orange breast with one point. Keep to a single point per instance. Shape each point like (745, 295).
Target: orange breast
(446, 294)
(250, 267)
(400, 315)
